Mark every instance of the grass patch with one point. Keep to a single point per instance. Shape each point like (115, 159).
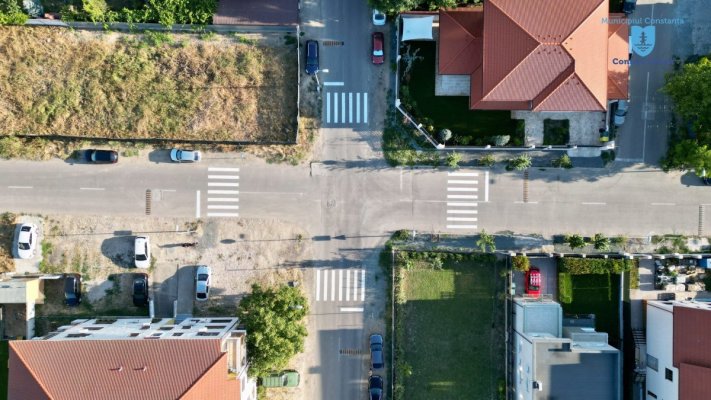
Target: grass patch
(450, 327)
(556, 132)
(144, 87)
(7, 236)
(468, 127)
(597, 294)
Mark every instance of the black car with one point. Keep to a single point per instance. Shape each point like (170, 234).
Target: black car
(72, 289)
(102, 156)
(376, 352)
(140, 290)
(311, 57)
(375, 388)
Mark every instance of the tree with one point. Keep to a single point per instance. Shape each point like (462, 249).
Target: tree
(600, 242)
(688, 155)
(486, 241)
(11, 13)
(453, 159)
(273, 319)
(519, 163)
(690, 89)
(575, 241)
(444, 135)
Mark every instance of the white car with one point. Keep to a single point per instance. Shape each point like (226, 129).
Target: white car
(621, 112)
(202, 282)
(178, 155)
(378, 18)
(27, 241)
(142, 251)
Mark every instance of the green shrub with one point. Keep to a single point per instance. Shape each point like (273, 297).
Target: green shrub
(565, 288)
(575, 241)
(583, 266)
(634, 276)
(487, 161)
(453, 159)
(520, 263)
(519, 163)
(563, 162)
(600, 242)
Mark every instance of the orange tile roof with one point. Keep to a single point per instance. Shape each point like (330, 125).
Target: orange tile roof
(536, 55)
(119, 369)
(461, 41)
(618, 48)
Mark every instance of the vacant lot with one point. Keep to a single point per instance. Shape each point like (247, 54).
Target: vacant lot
(598, 294)
(450, 326)
(162, 86)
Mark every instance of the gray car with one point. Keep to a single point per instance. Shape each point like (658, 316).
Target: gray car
(377, 360)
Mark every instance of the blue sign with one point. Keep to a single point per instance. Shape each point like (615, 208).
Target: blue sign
(642, 39)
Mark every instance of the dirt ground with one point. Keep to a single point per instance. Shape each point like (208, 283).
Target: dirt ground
(7, 232)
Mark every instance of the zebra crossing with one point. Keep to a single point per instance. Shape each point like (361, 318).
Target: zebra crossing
(345, 108)
(344, 285)
(462, 200)
(222, 192)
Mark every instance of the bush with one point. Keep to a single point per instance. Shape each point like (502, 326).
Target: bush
(11, 13)
(445, 135)
(584, 266)
(563, 162)
(487, 161)
(520, 263)
(519, 163)
(556, 132)
(600, 242)
(575, 241)
(501, 140)
(453, 159)
(565, 288)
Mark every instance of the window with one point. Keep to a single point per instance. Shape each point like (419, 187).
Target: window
(652, 362)
(649, 392)
(669, 374)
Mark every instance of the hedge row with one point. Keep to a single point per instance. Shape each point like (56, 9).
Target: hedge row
(582, 266)
(565, 287)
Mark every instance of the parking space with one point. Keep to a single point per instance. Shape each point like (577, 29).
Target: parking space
(549, 276)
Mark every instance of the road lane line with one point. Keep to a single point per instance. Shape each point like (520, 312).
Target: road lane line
(221, 214)
(220, 207)
(593, 203)
(223, 192)
(318, 285)
(358, 108)
(350, 107)
(221, 169)
(351, 309)
(355, 285)
(223, 177)
(333, 83)
(462, 211)
(197, 204)
(325, 285)
(223, 184)
(328, 107)
(459, 181)
(92, 189)
(486, 186)
(462, 174)
(19, 187)
(340, 285)
(343, 107)
(223, 199)
(462, 219)
(362, 287)
(335, 108)
(365, 108)
(462, 196)
(333, 285)
(348, 285)
(461, 226)
(663, 204)
(459, 204)
(462, 189)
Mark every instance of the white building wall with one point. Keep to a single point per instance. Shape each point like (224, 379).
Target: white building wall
(523, 368)
(660, 339)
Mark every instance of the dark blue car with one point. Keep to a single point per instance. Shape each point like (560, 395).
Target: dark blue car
(311, 57)
(72, 289)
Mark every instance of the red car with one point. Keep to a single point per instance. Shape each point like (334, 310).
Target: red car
(378, 53)
(533, 281)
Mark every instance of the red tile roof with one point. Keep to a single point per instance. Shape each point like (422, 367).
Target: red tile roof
(119, 369)
(618, 48)
(535, 54)
(692, 352)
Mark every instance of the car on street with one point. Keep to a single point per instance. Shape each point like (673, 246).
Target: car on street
(102, 156)
(621, 112)
(377, 360)
(533, 281)
(288, 378)
(378, 18)
(378, 53)
(375, 388)
(178, 155)
(27, 241)
(142, 251)
(140, 290)
(628, 6)
(202, 282)
(311, 57)
(72, 289)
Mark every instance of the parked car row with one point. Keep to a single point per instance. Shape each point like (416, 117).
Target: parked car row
(377, 362)
(103, 156)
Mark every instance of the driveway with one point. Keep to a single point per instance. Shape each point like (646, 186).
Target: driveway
(549, 274)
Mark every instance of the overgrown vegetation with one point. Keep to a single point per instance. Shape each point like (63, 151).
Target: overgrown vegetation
(556, 132)
(7, 236)
(165, 12)
(401, 148)
(11, 13)
(395, 6)
(144, 87)
(583, 266)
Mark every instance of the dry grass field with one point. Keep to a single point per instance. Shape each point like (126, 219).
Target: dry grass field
(146, 86)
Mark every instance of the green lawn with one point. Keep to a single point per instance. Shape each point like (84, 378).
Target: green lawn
(4, 356)
(468, 127)
(452, 330)
(598, 294)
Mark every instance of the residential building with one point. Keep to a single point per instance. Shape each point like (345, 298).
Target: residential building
(18, 297)
(126, 358)
(561, 358)
(536, 55)
(678, 350)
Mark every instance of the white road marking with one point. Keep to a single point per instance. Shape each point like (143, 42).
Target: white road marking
(340, 285)
(663, 204)
(217, 207)
(646, 108)
(466, 204)
(351, 309)
(462, 174)
(464, 182)
(333, 83)
(461, 219)
(486, 186)
(462, 196)
(348, 285)
(461, 226)
(335, 107)
(325, 285)
(223, 184)
(343, 106)
(462, 211)
(355, 285)
(222, 199)
(365, 108)
(328, 107)
(223, 177)
(221, 169)
(197, 204)
(19, 187)
(92, 189)
(350, 107)
(333, 285)
(461, 189)
(219, 214)
(318, 285)
(593, 203)
(223, 192)
(358, 108)
(362, 286)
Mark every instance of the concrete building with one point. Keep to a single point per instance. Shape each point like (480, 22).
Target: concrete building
(122, 358)
(678, 350)
(557, 358)
(18, 297)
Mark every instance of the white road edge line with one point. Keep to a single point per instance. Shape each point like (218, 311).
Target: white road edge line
(351, 309)
(221, 169)
(223, 199)
(333, 83)
(486, 186)
(197, 204)
(92, 188)
(19, 187)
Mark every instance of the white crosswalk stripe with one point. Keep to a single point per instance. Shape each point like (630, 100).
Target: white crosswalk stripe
(342, 285)
(347, 108)
(223, 184)
(462, 210)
